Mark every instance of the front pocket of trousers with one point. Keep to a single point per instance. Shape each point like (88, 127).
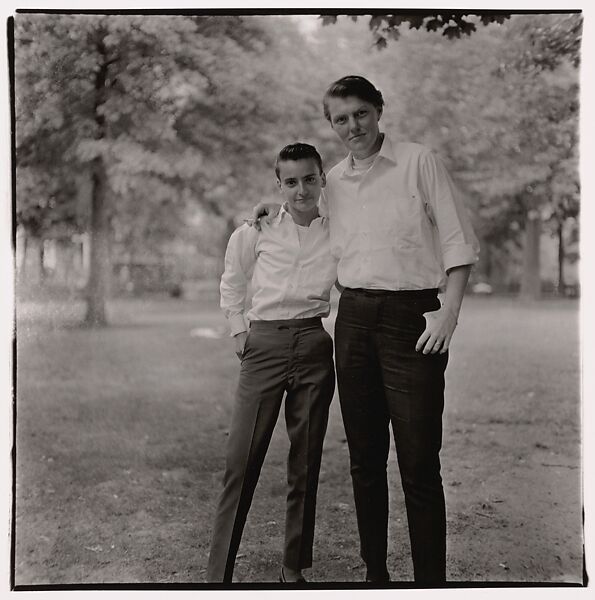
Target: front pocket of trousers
(352, 310)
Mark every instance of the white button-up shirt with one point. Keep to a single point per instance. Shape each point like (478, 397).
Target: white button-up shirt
(288, 279)
(399, 226)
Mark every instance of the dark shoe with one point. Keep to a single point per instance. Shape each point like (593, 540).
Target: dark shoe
(282, 579)
(381, 578)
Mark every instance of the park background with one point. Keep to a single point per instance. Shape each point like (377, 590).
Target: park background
(141, 143)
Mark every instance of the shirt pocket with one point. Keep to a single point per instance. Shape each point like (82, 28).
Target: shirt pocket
(319, 276)
(406, 221)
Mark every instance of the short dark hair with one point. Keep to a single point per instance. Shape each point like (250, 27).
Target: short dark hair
(297, 151)
(352, 85)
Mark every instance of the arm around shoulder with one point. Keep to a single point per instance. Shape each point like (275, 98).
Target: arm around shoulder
(264, 210)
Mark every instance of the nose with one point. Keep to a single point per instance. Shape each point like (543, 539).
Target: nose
(353, 124)
(301, 188)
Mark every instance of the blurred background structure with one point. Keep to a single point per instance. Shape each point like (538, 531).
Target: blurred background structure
(143, 140)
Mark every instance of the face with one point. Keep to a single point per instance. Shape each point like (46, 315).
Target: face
(300, 182)
(355, 121)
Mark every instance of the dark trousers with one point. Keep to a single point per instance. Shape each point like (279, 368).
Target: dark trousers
(382, 379)
(295, 357)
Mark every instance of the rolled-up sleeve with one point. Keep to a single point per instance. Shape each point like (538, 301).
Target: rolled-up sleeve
(240, 258)
(458, 242)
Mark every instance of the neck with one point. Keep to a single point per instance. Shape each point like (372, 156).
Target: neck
(375, 148)
(303, 218)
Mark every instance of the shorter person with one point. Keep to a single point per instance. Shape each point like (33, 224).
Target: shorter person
(286, 351)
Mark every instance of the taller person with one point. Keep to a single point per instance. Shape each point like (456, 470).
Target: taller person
(401, 234)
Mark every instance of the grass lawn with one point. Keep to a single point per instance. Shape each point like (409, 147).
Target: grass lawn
(121, 436)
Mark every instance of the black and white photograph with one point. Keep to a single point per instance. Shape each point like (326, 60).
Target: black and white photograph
(298, 300)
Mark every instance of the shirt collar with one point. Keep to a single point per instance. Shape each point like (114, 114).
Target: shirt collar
(285, 214)
(387, 152)
(282, 214)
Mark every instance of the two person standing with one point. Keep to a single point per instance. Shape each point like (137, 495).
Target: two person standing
(399, 233)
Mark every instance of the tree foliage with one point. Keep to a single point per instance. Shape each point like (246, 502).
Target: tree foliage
(158, 119)
(159, 100)
(138, 111)
(537, 129)
(501, 106)
(452, 25)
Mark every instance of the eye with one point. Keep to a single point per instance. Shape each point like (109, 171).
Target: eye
(311, 180)
(362, 113)
(340, 120)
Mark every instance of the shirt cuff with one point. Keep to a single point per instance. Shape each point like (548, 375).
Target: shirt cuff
(457, 256)
(237, 324)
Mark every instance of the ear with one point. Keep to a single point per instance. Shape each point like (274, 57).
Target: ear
(379, 112)
(323, 179)
(279, 183)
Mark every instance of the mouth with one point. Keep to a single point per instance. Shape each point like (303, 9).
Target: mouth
(356, 137)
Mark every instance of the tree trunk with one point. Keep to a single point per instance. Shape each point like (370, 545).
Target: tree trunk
(488, 260)
(531, 280)
(31, 264)
(41, 262)
(99, 267)
(483, 266)
(30, 269)
(22, 264)
(561, 258)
